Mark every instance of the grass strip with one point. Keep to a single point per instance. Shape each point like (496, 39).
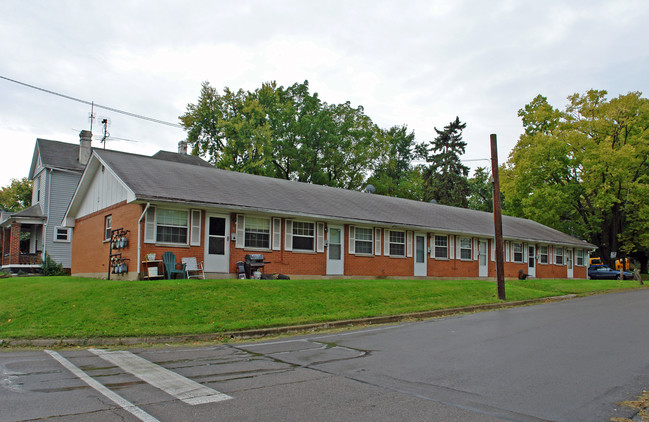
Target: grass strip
(73, 307)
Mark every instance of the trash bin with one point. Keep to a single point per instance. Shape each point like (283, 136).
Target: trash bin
(241, 269)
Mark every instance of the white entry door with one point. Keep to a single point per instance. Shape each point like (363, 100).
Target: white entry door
(335, 255)
(217, 243)
(569, 263)
(420, 255)
(531, 261)
(483, 261)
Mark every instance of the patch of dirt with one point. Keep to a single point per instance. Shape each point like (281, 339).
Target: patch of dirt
(641, 404)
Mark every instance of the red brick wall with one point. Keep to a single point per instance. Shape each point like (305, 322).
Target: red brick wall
(14, 244)
(282, 262)
(90, 253)
(90, 250)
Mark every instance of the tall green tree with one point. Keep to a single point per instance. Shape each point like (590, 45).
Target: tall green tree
(481, 190)
(445, 179)
(584, 170)
(231, 130)
(394, 173)
(284, 132)
(17, 195)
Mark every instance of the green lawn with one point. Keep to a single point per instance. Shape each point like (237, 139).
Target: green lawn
(72, 307)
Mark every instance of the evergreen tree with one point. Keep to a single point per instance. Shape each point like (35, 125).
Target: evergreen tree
(445, 179)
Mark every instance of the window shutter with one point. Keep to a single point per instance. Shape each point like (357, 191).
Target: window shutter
(507, 251)
(493, 250)
(196, 228)
(451, 247)
(432, 245)
(320, 239)
(241, 231)
(377, 242)
(458, 246)
(386, 242)
(277, 234)
(352, 239)
(409, 245)
(149, 226)
(526, 253)
(288, 235)
(475, 249)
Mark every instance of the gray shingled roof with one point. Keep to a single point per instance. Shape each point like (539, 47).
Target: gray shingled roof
(60, 155)
(158, 180)
(32, 212)
(181, 158)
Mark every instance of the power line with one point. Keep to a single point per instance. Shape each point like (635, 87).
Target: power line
(127, 113)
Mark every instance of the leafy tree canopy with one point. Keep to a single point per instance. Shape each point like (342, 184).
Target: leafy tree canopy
(481, 190)
(284, 132)
(584, 170)
(17, 195)
(394, 173)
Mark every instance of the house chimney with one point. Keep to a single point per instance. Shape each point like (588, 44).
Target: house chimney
(182, 147)
(85, 138)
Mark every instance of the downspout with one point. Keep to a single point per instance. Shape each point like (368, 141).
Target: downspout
(47, 222)
(139, 241)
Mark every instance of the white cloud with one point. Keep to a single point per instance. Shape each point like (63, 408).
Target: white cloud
(419, 63)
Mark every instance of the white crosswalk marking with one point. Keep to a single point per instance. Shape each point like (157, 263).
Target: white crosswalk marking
(118, 400)
(170, 382)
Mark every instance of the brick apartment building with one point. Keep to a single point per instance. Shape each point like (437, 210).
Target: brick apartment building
(303, 230)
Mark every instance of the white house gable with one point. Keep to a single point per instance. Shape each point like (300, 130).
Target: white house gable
(104, 190)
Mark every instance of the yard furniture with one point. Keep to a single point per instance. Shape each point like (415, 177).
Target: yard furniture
(170, 264)
(254, 263)
(152, 269)
(193, 268)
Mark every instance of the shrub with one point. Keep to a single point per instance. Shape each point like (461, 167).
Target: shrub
(51, 267)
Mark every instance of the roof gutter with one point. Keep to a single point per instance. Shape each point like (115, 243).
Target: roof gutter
(139, 234)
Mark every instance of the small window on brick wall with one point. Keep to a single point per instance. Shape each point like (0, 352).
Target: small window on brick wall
(441, 247)
(108, 224)
(465, 248)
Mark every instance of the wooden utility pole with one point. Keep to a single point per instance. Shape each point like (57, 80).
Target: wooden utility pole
(498, 220)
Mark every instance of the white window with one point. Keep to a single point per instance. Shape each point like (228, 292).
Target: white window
(543, 254)
(580, 257)
(558, 253)
(172, 226)
(61, 234)
(196, 228)
(303, 236)
(108, 223)
(363, 240)
(441, 247)
(397, 242)
(37, 182)
(465, 248)
(517, 252)
(257, 233)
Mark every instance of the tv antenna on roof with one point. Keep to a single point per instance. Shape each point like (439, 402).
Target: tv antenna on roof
(91, 115)
(105, 121)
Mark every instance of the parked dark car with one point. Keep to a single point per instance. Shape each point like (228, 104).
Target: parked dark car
(602, 272)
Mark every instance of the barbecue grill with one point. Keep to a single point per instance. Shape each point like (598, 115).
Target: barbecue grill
(252, 263)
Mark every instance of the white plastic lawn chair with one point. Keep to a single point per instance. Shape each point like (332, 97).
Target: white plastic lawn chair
(193, 269)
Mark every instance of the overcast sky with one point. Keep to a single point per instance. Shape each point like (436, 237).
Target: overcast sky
(414, 63)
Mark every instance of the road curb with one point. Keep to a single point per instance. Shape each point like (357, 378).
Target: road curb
(268, 332)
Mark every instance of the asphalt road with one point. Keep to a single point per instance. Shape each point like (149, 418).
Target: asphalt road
(563, 361)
